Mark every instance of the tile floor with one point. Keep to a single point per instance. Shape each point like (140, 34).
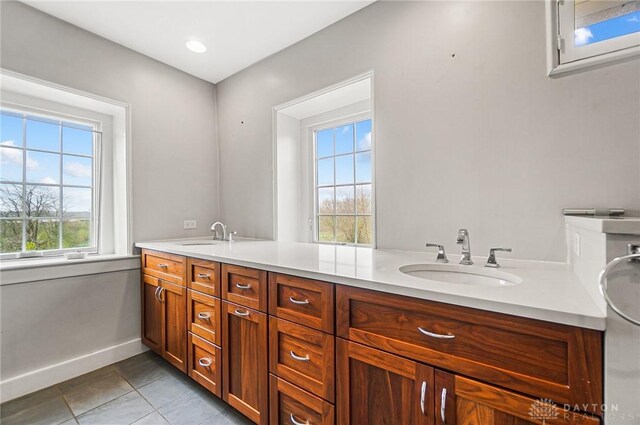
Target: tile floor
(141, 390)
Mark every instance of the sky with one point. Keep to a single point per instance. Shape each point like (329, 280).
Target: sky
(605, 30)
(45, 167)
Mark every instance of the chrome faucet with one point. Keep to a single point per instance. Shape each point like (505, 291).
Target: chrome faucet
(224, 231)
(463, 239)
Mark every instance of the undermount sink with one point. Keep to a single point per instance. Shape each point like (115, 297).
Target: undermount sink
(466, 275)
(196, 243)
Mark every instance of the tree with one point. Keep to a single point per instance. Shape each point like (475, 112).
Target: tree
(347, 226)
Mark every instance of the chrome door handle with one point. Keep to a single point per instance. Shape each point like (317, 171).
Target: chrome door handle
(204, 316)
(294, 421)
(240, 286)
(160, 295)
(293, 300)
(204, 362)
(204, 275)
(163, 266)
(241, 313)
(443, 406)
(299, 358)
(434, 335)
(156, 293)
(423, 397)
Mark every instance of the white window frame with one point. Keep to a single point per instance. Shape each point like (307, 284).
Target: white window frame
(352, 119)
(562, 54)
(26, 112)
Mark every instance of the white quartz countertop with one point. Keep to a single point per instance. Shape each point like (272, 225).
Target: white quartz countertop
(549, 291)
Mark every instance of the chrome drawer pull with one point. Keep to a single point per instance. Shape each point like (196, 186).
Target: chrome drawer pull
(431, 334)
(241, 313)
(293, 300)
(423, 397)
(240, 286)
(294, 421)
(204, 275)
(299, 358)
(204, 362)
(163, 266)
(443, 406)
(160, 295)
(204, 316)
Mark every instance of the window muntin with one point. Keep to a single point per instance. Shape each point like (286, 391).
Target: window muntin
(49, 172)
(597, 28)
(343, 184)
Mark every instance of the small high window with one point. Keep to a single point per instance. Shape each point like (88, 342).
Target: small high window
(343, 184)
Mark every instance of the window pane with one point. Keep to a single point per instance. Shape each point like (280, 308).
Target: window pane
(11, 164)
(43, 167)
(345, 203)
(77, 203)
(597, 21)
(363, 167)
(325, 171)
(10, 200)
(10, 130)
(365, 230)
(324, 143)
(326, 201)
(76, 233)
(42, 234)
(346, 229)
(344, 169)
(43, 135)
(344, 139)
(10, 236)
(77, 170)
(363, 135)
(326, 228)
(363, 199)
(75, 140)
(42, 201)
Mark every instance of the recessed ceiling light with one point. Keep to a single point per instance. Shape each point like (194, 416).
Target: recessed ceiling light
(196, 46)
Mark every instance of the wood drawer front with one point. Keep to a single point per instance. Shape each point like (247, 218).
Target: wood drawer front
(203, 314)
(544, 359)
(290, 344)
(245, 286)
(290, 404)
(304, 301)
(205, 360)
(165, 266)
(204, 276)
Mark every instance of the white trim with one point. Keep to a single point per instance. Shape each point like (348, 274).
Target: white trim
(38, 379)
(122, 137)
(556, 68)
(26, 271)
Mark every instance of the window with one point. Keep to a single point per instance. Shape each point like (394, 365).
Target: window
(596, 31)
(343, 184)
(48, 185)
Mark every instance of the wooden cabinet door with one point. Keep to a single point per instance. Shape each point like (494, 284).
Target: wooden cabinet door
(151, 314)
(174, 344)
(463, 401)
(377, 388)
(244, 371)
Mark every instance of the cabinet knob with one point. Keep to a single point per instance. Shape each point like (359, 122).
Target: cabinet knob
(163, 266)
(204, 275)
(204, 362)
(294, 421)
(204, 316)
(241, 313)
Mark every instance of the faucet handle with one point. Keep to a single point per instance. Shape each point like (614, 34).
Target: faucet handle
(230, 236)
(442, 257)
(491, 261)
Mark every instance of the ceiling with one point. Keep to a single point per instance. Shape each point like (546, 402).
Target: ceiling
(236, 33)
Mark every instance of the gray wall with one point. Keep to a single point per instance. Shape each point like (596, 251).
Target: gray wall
(48, 322)
(483, 139)
(173, 124)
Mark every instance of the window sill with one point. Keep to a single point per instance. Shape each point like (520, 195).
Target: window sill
(34, 270)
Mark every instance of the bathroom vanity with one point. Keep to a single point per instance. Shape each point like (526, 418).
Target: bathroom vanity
(292, 333)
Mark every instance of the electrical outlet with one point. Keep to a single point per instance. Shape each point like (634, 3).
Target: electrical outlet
(190, 224)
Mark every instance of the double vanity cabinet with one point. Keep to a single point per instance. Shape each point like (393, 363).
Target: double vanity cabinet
(283, 349)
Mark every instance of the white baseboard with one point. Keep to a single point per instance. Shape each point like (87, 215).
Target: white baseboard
(50, 375)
